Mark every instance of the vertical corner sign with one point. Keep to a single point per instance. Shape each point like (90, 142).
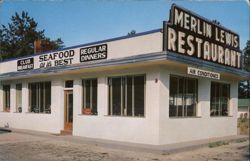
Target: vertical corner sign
(94, 53)
(189, 34)
(25, 64)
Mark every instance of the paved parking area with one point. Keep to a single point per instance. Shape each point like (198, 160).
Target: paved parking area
(27, 147)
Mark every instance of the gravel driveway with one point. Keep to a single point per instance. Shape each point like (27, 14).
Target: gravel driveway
(23, 147)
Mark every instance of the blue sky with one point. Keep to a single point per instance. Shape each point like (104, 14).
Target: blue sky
(83, 21)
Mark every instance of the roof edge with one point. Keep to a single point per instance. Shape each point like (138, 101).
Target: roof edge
(88, 44)
(210, 65)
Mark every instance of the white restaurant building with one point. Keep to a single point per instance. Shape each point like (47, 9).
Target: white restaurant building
(170, 85)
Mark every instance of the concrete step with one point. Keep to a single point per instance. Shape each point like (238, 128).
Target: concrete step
(66, 132)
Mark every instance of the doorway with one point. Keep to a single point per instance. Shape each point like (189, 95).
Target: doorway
(68, 110)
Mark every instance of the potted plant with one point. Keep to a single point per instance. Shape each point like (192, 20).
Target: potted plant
(7, 109)
(87, 111)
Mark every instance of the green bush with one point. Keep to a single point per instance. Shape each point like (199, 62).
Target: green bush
(218, 143)
(243, 125)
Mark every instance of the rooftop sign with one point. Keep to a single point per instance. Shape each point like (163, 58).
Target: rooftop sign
(190, 34)
(25, 64)
(93, 53)
(64, 57)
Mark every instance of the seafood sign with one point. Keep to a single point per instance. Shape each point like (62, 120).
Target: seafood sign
(64, 57)
(56, 59)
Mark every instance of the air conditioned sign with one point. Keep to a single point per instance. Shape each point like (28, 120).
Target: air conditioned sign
(203, 73)
(188, 34)
(93, 53)
(25, 64)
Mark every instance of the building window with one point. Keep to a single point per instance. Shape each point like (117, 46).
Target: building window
(40, 97)
(220, 96)
(183, 96)
(19, 98)
(6, 98)
(127, 95)
(89, 97)
(69, 83)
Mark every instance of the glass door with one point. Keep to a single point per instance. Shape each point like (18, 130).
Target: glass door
(68, 110)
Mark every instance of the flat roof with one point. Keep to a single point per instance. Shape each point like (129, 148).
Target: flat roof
(88, 44)
(164, 55)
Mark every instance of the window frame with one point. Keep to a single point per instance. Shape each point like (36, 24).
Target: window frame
(185, 91)
(40, 89)
(124, 97)
(83, 99)
(20, 99)
(6, 98)
(67, 87)
(220, 109)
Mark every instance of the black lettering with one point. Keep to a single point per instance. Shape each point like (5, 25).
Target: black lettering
(41, 58)
(42, 65)
(55, 55)
(93, 53)
(60, 55)
(71, 53)
(70, 60)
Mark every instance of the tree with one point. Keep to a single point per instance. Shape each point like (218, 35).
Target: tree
(246, 59)
(244, 89)
(17, 38)
(132, 32)
(216, 22)
(244, 86)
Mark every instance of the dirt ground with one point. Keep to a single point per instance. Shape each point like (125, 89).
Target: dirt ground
(23, 147)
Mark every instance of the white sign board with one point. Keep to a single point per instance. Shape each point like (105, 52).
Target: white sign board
(203, 73)
(65, 57)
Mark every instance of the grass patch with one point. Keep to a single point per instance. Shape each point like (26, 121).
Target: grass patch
(241, 140)
(218, 143)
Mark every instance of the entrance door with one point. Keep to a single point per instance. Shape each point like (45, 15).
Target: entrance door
(68, 110)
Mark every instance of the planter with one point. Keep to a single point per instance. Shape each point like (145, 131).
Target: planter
(7, 109)
(87, 111)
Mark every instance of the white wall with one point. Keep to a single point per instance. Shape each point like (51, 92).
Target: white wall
(1, 97)
(143, 44)
(155, 128)
(128, 129)
(174, 130)
(34, 121)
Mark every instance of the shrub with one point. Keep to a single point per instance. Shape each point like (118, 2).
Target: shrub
(218, 143)
(243, 125)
